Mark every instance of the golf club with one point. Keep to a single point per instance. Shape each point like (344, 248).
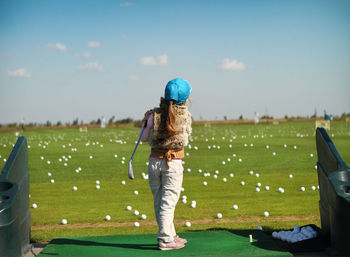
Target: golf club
(131, 171)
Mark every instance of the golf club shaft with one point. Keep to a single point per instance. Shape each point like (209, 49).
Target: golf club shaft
(131, 171)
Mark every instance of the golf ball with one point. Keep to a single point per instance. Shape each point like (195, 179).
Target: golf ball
(290, 175)
(98, 187)
(136, 224)
(128, 208)
(34, 205)
(97, 182)
(251, 172)
(64, 222)
(136, 213)
(242, 183)
(258, 184)
(266, 214)
(188, 224)
(143, 216)
(108, 217)
(302, 189)
(136, 192)
(257, 189)
(235, 207)
(267, 188)
(231, 175)
(49, 174)
(205, 183)
(75, 188)
(52, 181)
(91, 157)
(224, 179)
(123, 182)
(219, 215)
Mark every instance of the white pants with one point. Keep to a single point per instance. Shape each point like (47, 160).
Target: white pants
(165, 182)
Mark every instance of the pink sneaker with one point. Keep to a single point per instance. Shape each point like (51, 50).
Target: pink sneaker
(170, 246)
(179, 239)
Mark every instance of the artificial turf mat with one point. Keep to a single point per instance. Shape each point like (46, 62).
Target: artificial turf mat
(203, 243)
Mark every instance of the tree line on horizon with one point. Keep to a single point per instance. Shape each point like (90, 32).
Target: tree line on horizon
(112, 122)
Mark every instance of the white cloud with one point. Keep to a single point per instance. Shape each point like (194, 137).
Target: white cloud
(227, 64)
(94, 44)
(123, 36)
(84, 55)
(161, 60)
(19, 73)
(133, 77)
(58, 46)
(91, 66)
(126, 4)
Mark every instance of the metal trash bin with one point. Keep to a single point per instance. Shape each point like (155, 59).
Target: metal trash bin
(334, 181)
(14, 203)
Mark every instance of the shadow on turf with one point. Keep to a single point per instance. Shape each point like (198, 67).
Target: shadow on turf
(66, 241)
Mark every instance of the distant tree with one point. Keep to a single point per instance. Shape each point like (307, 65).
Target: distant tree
(241, 117)
(110, 121)
(124, 121)
(11, 125)
(48, 123)
(58, 123)
(75, 122)
(98, 121)
(225, 117)
(286, 117)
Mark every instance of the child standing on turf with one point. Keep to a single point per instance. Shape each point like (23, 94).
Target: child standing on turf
(167, 132)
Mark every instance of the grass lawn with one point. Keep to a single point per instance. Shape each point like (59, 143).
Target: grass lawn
(272, 151)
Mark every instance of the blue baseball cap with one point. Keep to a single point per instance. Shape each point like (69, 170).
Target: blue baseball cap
(178, 90)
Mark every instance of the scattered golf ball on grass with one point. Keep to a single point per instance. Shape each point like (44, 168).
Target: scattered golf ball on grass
(143, 216)
(136, 224)
(98, 187)
(136, 192)
(188, 224)
(64, 222)
(34, 205)
(108, 217)
(75, 188)
(235, 207)
(219, 215)
(128, 208)
(266, 214)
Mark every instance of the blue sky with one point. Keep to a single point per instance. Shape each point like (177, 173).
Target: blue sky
(61, 60)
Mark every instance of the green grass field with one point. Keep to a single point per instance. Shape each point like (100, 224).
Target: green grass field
(85, 209)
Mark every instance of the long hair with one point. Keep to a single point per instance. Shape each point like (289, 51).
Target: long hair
(171, 119)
